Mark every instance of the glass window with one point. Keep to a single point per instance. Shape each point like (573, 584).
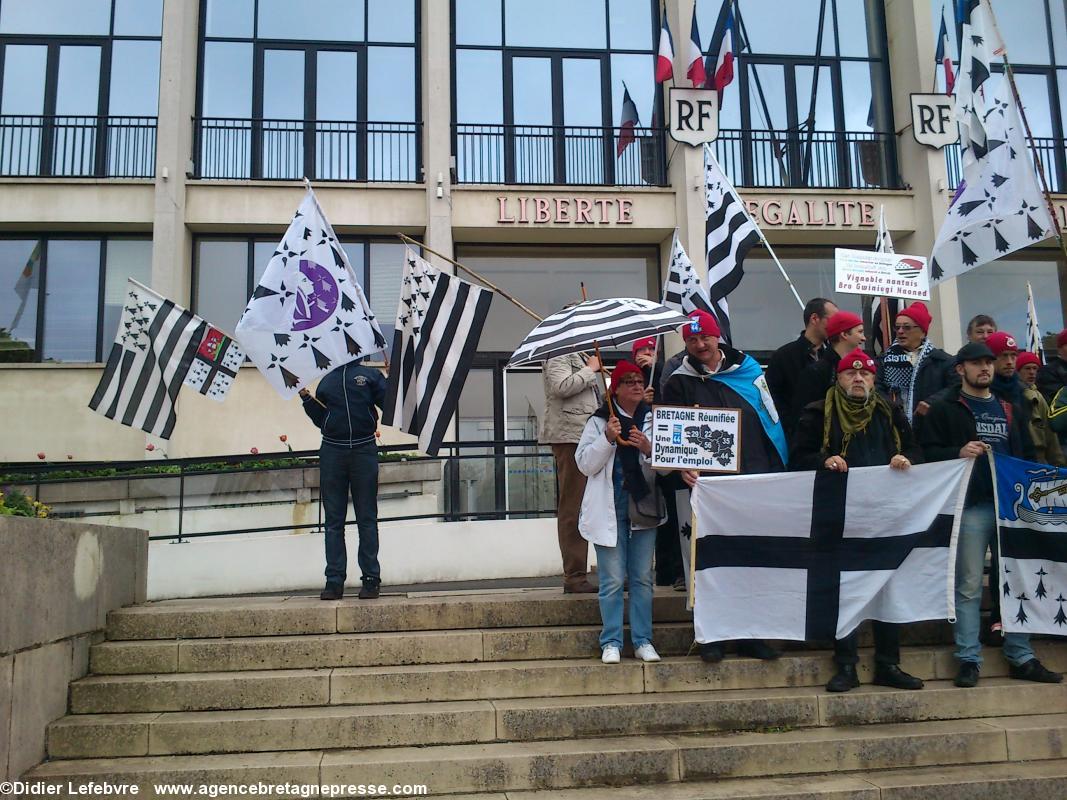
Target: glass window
(391, 84)
(785, 28)
(20, 272)
(391, 21)
(1024, 26)
(479, 87)
(630, 25)
(138, 17)
(222, 281)
(283, 84)
(556, 23)
(24, 75)
(860, 81)
(1035, 93)
(478, 21)
(262, 253)
(995, 289)
(230, 18)
(125, 258)
(322, 20)
(134, 79)
(337, 86)
(1059, 29)
(386, 273)
(71, 299)
(227, 80)
(859, 27)
(78, 89)
(63, 17)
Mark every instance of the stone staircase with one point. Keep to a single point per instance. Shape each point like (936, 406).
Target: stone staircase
(501, 695)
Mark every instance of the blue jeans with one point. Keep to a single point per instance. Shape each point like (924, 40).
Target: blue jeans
(342, 472)
(630, 559)
(977, 529)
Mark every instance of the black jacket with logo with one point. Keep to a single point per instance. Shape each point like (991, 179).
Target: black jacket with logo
(350, 393)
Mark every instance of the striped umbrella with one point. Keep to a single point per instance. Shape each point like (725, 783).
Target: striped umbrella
(608, 322)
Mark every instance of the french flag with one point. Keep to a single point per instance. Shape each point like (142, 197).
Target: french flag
(695, 71)
(665, 57)
(722, 49)
(627, 124)
(943, 57)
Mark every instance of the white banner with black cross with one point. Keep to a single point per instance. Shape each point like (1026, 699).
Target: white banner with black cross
(808, 556)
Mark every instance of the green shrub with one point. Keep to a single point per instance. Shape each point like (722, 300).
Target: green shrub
(14, 503)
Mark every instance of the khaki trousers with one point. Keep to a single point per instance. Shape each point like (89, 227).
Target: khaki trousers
(572, 547)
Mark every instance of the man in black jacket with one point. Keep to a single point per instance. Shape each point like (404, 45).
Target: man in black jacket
(864, 431)
(791, 358)
(343, 408)
(1053, 376)
(913, 370)
(966, 422)
(844, 332)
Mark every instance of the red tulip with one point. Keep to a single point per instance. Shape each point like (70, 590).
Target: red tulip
(254, 451)
(70, 457)
(283, 438)
(41, 456)
(150, 447)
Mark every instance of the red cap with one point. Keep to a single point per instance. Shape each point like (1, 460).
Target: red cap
(703, 324)
(1061, 338)
(622, 369)
(918, 314)
(857, 359)
(1026, 357)
(999, 341)
(840, 322)
(648, 341)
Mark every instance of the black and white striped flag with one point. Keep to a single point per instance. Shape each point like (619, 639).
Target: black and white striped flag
(1033, 330)
(683, 290)
(153, 350)
(731, 233)
(438, 323)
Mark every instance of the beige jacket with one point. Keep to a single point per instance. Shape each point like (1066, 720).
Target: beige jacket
(572, 393)
(1046, 444)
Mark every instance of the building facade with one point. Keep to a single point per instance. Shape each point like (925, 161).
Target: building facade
(167, 140)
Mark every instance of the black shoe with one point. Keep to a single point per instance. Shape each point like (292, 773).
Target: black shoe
(757, 648)
(893, 676)
(967, 677)
(369, 591)
(844, 680)
(711, 653)
(1034, 670)
(333, 591)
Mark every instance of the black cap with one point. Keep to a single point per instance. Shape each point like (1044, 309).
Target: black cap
(973, 351)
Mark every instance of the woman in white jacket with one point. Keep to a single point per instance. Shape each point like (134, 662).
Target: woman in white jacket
(621, 509)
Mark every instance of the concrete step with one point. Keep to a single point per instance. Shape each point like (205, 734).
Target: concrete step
(297, 615)
(531, 719)
(662, 761)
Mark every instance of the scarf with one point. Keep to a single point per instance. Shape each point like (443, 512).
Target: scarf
(853, 416)
(1011, 389)
(632, 477)
(899, 374)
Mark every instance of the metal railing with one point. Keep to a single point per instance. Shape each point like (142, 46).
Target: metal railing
(560, 155)
(285, 149)
(180, 499)
(1049, 151)
(816, 159)
(77, 146)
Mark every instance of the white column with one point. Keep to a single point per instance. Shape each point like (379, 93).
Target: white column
(437, 127)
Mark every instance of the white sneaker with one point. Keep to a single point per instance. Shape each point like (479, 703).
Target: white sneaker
(646, 652)
(611, 655)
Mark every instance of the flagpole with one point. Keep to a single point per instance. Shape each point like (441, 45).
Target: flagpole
(1010, 73)
(472, 273)
(662, 299)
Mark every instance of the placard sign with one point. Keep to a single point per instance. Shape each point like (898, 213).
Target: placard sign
(704, 439)
(882, 274)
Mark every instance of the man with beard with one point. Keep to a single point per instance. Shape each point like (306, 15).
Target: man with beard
(714, 375)
(854, 426)
(966, 422)
(913, 370)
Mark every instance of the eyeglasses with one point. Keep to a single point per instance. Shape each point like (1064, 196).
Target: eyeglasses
(905, 328)
(631, 383)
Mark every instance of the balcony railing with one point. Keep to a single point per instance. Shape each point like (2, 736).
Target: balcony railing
(281, 149)
(1050, 152)
(551, 154)
(808, 159)
(77, 147)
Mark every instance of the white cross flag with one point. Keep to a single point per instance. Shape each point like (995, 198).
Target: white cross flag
(308, 314)
(154, 347)
(439, 321)
(1002, 209)
(811, 555)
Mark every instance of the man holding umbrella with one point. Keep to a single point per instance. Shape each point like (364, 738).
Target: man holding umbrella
(715, 375)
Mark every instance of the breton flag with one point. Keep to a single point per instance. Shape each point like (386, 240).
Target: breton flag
(439, 320)
(665, 56)
(215, 365)
(721, 73)
(26, 282)
(308, 314)
(730, 233)
(885, 311)
(1033, 331)
(1002, 208)
(627, 124)
(805, 556)
(976, 53)
(695, 71)
(1032, 534)
(683, 290)
(943, 56)
(153, 350)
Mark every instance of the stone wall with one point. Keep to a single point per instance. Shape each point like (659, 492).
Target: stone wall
(59, 581)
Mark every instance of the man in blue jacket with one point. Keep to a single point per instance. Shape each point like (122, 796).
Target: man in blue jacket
(343, 408)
